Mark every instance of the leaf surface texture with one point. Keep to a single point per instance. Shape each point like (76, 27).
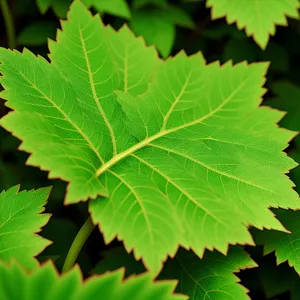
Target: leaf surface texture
(172, 153)
(20, 220)
(211, 277)
(257, 17)
(45, 283)
(285, 245)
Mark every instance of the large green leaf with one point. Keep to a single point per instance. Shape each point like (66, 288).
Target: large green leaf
(258, 17)
(208, 278)
(20, 219)
(45, 284)
(286, 245)
(287, 98)
(178, 152)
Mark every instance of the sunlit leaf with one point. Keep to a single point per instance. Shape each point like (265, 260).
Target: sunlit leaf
(175, 153)
(45, 284)
(258, 18)
(20, 220)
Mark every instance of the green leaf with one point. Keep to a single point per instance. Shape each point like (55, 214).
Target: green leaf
(211, 277)
(221, 31)
(60, 7)
(278, 56)
(116, 258)
(114, 7)
(43, 5)
(277, 280)
(117, 71)
(257, 17)
(45, 283)
(178, 16)
(285, 245)
(162, 31)
(142, 3)
(240, 50)
(244, 49)
(178, 152)
(20, 220)
(37, 33)
(287, 98)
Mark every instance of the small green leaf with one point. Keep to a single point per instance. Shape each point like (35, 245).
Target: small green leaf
(43, 5)
(285, 245)
(210, 277)
(240, 50)
(162, 31)
(116, 258)
(37, 34)
(276, 280)
(60, 7)
(20, 219)
(178, 17)
(287, 98)
(278, 56)
(45, 283)
(257, 17)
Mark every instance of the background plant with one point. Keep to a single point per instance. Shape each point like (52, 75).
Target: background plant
(180, 26)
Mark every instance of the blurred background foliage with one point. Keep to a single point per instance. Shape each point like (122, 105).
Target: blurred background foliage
(171, 26)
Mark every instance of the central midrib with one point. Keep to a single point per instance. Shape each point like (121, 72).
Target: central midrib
(114, 160)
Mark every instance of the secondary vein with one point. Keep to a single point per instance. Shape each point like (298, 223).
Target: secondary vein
(162, 133)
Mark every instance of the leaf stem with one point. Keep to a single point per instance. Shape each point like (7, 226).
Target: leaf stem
(77, 244)
(9, 24)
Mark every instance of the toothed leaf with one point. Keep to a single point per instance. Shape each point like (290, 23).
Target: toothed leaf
(20, 220)
(175, 153)
(45, 283)
(258, 18)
